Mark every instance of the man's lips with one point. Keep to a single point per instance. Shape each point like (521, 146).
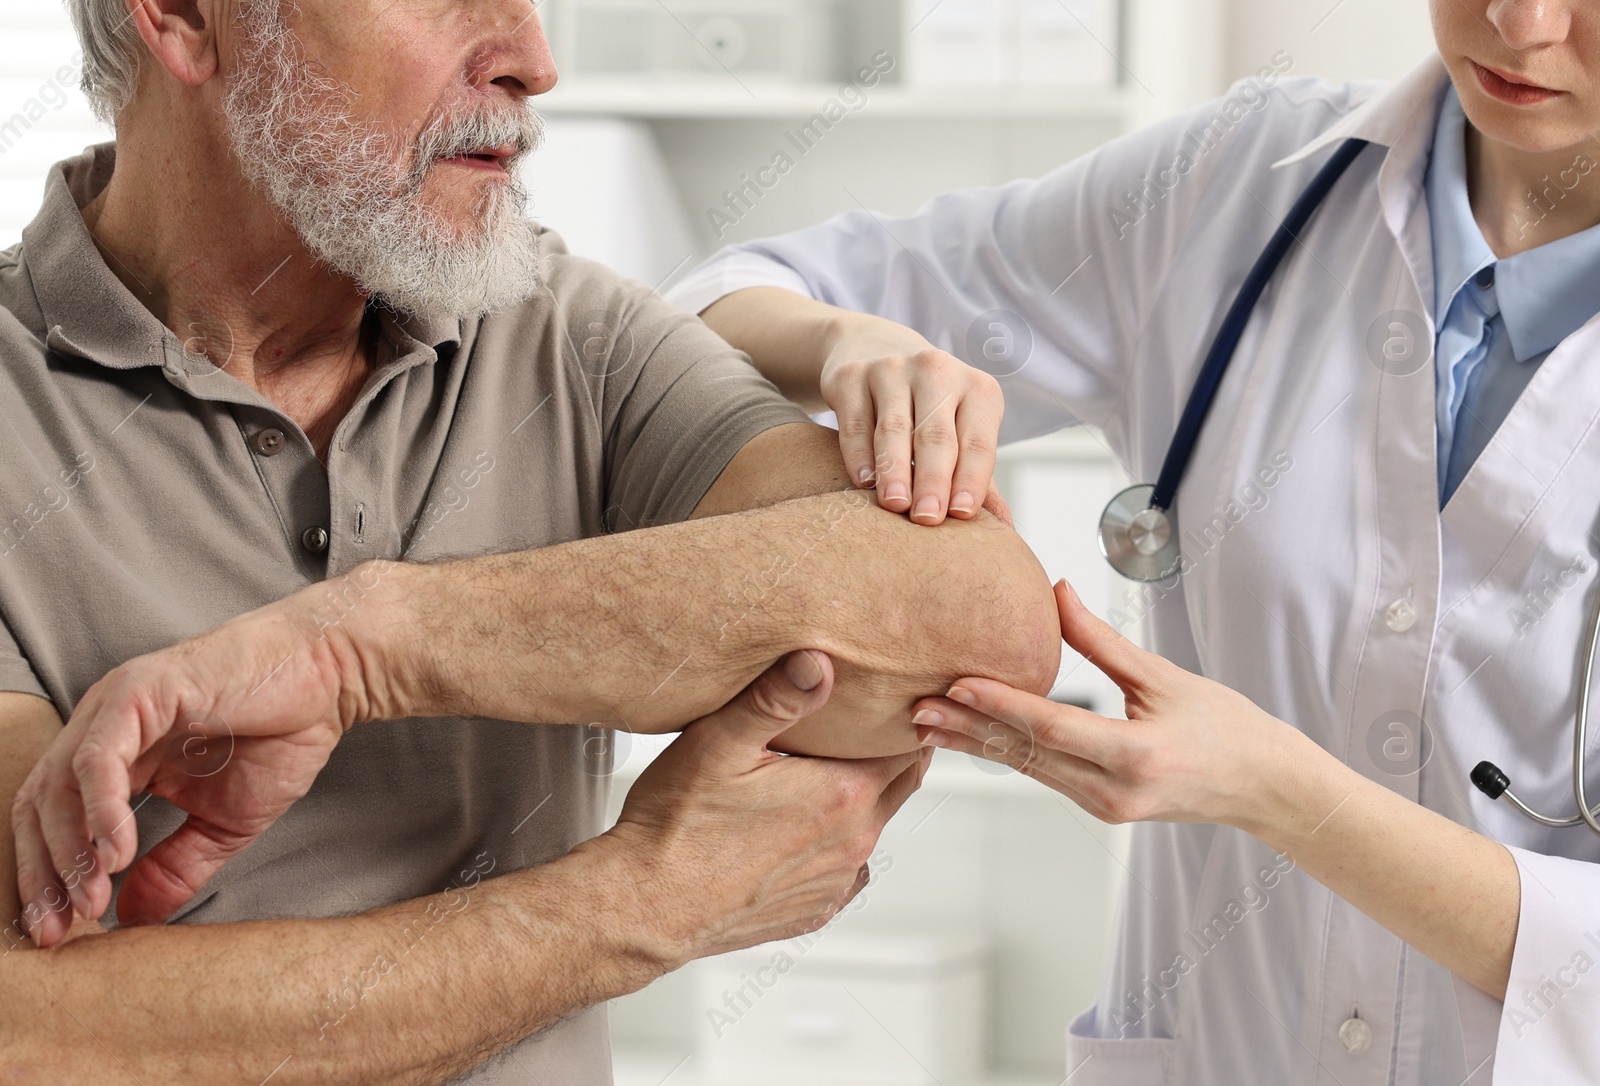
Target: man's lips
(494, 159)
(1510, 88)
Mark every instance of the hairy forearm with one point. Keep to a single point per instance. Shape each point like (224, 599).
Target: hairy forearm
(649, 630)
(789, 336)
(415, 993)
(1453, 894)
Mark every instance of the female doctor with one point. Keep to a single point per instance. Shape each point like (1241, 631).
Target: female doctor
(1416, 396)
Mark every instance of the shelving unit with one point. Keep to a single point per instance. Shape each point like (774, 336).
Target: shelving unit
(724, 100)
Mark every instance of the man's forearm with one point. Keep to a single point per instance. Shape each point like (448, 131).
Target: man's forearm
(651, 629)
(414, 993)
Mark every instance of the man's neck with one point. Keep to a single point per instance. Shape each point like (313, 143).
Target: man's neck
(210, 258)
(1522, 200)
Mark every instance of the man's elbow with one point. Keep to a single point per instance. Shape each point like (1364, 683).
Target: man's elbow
(963, 600)
(1015, 633)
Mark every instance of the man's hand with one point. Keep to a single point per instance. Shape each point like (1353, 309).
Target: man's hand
(232, 727)
(757, 845)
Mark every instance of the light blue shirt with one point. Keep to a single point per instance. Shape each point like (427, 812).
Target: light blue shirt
(1497, 320)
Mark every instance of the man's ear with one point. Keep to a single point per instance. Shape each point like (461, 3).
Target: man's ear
(181, 36)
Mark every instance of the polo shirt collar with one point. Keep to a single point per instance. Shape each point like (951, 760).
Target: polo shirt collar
(89, 312)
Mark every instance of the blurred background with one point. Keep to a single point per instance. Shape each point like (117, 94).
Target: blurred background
(682, 125)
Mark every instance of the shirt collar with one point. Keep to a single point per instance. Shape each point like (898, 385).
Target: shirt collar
(1544, 294)
(88, 311)
(1401, 116)
(1459, 251)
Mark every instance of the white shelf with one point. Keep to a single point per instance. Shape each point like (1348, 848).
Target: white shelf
(664, 1067)
(725, 99)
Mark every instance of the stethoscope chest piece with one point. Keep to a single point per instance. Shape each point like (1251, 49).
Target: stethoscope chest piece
(1139, 540)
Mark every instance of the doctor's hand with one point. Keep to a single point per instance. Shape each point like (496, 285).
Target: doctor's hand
(916, 423)
(1190, 750)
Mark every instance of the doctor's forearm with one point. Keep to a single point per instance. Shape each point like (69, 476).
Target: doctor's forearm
(790, 337)
(1451, 893)
(651, 629)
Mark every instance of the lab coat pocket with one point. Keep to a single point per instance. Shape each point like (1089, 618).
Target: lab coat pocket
(1096, 1061)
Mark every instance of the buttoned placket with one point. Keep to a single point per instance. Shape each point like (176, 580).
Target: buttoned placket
(1364, 994)
(325, 511)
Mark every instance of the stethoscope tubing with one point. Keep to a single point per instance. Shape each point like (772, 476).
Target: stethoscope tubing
(1228, 337)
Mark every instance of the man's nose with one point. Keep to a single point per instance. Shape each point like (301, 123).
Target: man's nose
(515, 55)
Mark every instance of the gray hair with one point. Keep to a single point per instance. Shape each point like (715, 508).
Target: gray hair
(111, 50)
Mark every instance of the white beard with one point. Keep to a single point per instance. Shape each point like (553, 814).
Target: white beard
(356, 201)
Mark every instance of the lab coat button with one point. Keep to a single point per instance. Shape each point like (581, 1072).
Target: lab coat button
(1402, 615)
(1355, 1035)
(315, 540)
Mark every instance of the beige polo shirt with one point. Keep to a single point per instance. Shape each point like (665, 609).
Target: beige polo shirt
(148, 496)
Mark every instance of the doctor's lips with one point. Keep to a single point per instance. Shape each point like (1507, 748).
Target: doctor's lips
(1510, 88)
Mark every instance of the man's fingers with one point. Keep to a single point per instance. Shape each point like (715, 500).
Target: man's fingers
(977, 432)
(100, 765)
(1123, 662)
(901, 789)
(167, 877)
(45, 912)
(782, 696)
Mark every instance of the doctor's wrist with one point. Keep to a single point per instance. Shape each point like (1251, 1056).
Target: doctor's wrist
(1290, 788)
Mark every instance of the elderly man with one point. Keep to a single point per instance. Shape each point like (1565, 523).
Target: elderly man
(354, 491)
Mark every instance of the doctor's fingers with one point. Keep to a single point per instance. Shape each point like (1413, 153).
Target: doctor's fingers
(978, 706)
(1123, 662)
(851, 401)
(1049, 768)
(893, 420)
(935, 446)
(978, 418)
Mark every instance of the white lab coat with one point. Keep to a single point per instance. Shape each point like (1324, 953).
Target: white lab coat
(1336, 598)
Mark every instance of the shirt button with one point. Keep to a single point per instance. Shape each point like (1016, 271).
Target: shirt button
(1401, 616)
(268, 442)
(1355, 1035)
(1485, 278)
(315, 539)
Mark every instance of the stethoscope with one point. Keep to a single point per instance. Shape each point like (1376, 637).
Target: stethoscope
(1139, 528)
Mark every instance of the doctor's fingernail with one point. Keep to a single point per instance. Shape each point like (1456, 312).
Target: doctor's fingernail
(865, 476)
(896, 493)
(961, 694)
(927, 507)
(930, 717)
(962, 503)
(934, 739)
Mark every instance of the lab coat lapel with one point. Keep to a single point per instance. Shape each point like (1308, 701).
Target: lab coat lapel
(1546, 444)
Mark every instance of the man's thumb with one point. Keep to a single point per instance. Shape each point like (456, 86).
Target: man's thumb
(782, 696)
